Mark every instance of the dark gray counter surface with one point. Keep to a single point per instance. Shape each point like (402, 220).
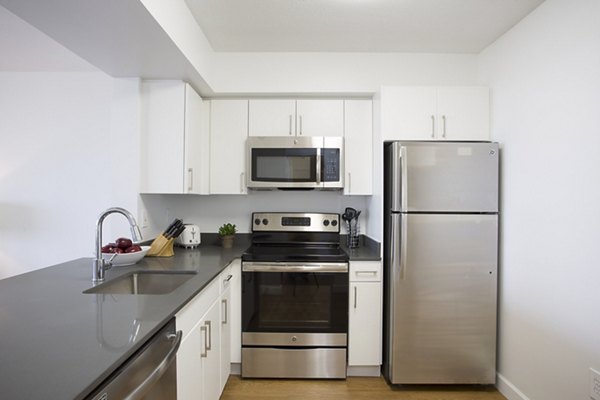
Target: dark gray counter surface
(59, 343)
(367, 250)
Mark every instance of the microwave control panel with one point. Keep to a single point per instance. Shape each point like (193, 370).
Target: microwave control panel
(330, 165)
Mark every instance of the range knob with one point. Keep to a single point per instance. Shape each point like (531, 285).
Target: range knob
(257, 221)
(334, 223)
(265, 221)
(326, 222)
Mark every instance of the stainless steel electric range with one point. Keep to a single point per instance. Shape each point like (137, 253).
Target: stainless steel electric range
(294, 297)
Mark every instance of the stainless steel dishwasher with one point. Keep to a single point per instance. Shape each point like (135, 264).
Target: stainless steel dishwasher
(149, 374)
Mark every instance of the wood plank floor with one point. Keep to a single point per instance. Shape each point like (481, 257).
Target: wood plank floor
(352, 388)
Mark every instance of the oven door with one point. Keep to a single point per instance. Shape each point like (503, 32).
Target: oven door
(295, 298)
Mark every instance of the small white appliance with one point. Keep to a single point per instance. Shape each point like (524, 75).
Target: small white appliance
(190, 237)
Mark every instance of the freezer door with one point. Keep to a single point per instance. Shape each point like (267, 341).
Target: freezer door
(443, 277)
(443, 177)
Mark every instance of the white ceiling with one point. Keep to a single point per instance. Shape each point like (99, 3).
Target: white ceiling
(425, 26)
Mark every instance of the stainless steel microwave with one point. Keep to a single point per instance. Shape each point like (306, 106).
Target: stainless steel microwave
(282, 162)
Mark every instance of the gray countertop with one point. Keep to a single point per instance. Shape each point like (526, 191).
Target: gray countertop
(57, 342)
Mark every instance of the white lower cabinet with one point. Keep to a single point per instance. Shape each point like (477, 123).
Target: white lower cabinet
(365, 316)
(204, 356)
(227, 279)
(235, 311)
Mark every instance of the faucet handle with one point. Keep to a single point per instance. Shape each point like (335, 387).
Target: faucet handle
(108, 263)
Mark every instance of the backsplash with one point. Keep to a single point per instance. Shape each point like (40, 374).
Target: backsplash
(210, 212)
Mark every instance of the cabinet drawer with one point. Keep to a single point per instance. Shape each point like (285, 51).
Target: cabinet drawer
(193, 311)
(365, 271)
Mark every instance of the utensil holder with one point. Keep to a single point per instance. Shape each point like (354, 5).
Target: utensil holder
(353, 233)
(161, 247)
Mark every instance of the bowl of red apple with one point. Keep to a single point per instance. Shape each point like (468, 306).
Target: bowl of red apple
(124, 252)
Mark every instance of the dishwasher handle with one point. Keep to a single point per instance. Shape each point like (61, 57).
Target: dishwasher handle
(160, 369)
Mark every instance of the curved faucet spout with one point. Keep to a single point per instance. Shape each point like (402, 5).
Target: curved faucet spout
(99, 264)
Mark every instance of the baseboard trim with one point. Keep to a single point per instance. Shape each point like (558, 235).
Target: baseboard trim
(509, 390)
(236, 369)
(367, 370)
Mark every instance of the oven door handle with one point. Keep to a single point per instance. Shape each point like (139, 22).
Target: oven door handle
(294, 267)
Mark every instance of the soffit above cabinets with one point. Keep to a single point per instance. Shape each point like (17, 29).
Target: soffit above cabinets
(419, 26)
(120, 37)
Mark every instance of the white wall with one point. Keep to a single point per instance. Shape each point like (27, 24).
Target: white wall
(68, 152)
(545, 81)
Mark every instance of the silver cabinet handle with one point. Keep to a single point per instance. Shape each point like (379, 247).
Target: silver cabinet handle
(433, 126)
(160, 369)
(349, 182)
(366, 272)
(205, 353)
(355, 295)
(242, 182)
(191, 179)
(290, 124)
(443, 126)
(228, 278)
(224, 302)
(209, 324)
(301, 124)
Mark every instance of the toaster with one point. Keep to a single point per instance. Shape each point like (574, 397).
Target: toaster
(190, 237)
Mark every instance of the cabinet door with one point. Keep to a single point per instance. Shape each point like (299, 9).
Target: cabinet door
(211, 357)
(196, 146)
(358, 147)
(189, 366)
(271, 117)
(163, 104)
(225, 336)
(463, 113)
(320, 118)
(364, 324)
(408, 113)
(236, 311)
(228, 133)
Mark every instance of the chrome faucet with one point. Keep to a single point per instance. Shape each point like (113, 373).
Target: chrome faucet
(100, 265)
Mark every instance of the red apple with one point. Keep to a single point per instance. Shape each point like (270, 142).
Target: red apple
(133, 249)
(123, 243)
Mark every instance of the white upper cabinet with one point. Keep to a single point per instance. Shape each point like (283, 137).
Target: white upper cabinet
(358, 147)
(435, 113)
(464, 113)
(272, 117)
(280, 117)
(228, 134)
(320, 118)
(174, 142)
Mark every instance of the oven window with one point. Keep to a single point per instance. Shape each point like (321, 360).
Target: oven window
(284, 165)
(295, 302)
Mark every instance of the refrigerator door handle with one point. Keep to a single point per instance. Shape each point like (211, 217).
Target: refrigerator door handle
(399, 177)
(398, 247)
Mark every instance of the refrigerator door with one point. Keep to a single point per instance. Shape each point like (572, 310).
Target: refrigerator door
(443, 176)
(442, 272)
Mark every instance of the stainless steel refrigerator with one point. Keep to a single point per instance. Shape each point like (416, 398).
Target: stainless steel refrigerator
(440, 262)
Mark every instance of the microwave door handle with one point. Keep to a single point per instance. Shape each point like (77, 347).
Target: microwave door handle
(318, 166)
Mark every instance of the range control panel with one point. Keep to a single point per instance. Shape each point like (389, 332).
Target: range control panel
(295, 222)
